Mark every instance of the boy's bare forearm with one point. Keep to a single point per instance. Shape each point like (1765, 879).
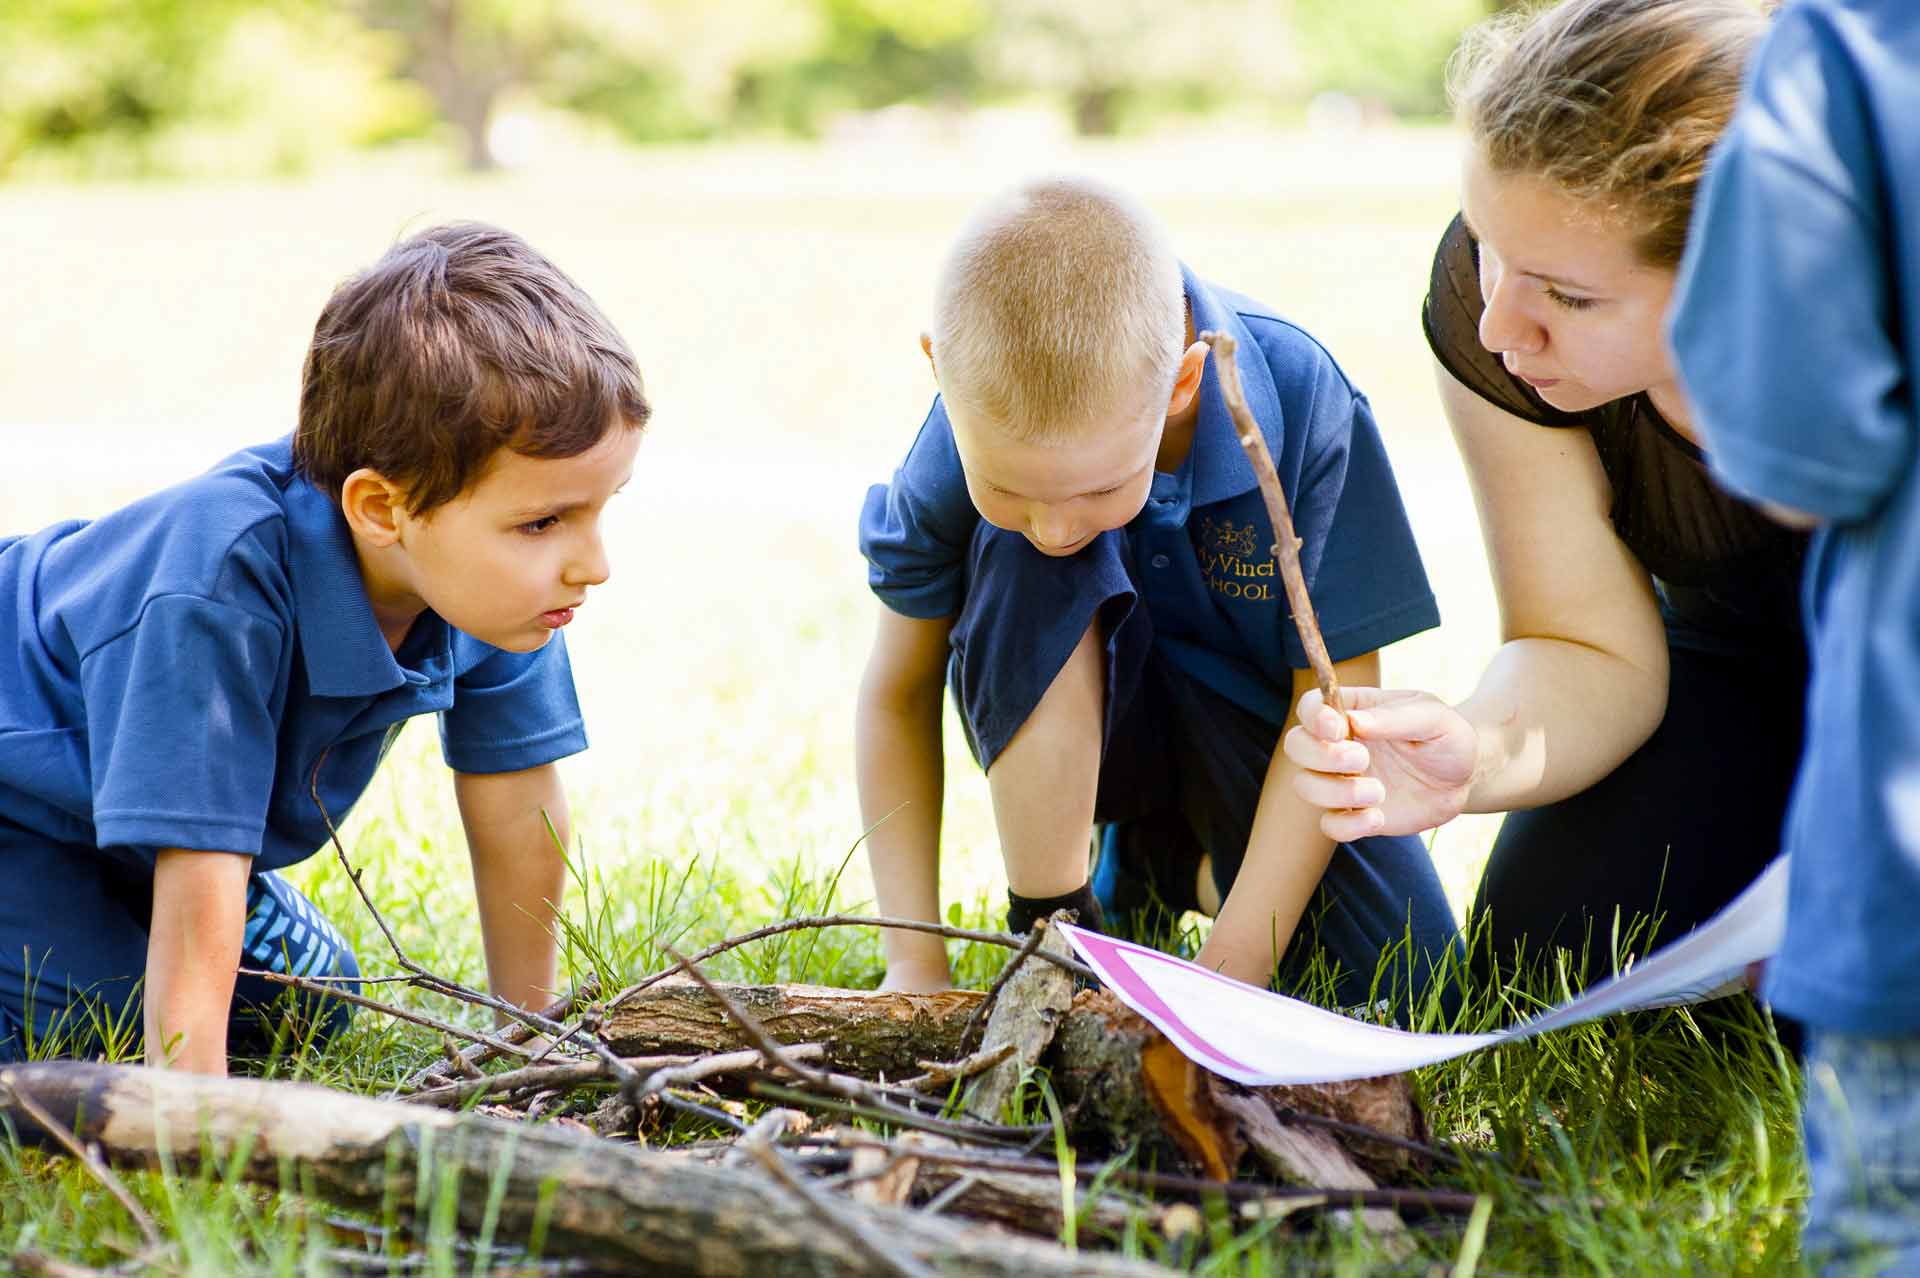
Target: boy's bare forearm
(519, 876)
(900, 763)
(1286, 858)
(193, 957)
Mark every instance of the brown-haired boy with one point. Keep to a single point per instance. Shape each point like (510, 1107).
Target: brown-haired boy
(187, 668)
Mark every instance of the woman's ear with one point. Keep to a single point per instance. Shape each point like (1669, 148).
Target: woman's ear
(374, 507)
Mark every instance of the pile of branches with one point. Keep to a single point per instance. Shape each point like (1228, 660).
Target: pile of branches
(858, 1132)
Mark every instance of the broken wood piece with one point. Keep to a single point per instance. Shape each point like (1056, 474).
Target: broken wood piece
(1180, 1091)
(1027, 1013)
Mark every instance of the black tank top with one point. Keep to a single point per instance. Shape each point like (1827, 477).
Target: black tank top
(1724, 570)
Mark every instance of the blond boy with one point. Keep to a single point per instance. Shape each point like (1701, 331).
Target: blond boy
(1077, 545)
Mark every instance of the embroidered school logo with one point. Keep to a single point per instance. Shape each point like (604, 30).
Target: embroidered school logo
(1225, 538)
(1234, 562)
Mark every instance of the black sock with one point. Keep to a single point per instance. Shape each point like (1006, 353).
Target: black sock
(1024, 911)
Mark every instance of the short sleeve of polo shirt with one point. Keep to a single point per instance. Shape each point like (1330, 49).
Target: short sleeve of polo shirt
(181, 727)
(1362, 566)
(914, 531)
(511, 710)
(1815, 414)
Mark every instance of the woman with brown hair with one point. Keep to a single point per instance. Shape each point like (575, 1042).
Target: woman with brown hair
(1642, 719)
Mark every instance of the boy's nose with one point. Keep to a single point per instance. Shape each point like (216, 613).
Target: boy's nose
(1050, 527)
(589, 567)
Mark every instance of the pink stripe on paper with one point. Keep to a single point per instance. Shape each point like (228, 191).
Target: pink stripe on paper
(1115, 961)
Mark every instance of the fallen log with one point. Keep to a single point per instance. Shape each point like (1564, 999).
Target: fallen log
(865, 1033)
(590, 1198)
(1122, 1080)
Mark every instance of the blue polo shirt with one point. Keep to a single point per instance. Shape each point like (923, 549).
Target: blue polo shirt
(172, 674)
(1200, 546)
(1797, 330)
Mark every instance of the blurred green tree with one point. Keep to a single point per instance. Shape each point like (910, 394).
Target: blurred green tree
(1109, 58)
(654, 68)
(1384, 51)
(118, 69)
(868, 54)
(137, 87)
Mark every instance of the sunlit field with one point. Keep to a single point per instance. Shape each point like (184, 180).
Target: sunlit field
(773, 296)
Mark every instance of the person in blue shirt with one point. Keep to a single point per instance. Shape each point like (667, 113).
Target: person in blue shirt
(200, 684)
(1076, 543)
(1796, 327)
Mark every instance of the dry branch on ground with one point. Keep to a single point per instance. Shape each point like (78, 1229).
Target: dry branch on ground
(939, 1134)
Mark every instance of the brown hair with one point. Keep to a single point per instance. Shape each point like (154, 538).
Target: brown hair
(460, 341)
(1616, 102)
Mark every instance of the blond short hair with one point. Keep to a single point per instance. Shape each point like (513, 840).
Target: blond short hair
(1057, 300)
(1616, 102)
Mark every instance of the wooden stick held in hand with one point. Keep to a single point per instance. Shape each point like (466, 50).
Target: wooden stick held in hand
(1286, 546)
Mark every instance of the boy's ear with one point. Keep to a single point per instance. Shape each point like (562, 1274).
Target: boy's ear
(926, 346)
(374, 506)
(1187, 378)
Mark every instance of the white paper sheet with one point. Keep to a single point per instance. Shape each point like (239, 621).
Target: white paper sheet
(1260, 1038)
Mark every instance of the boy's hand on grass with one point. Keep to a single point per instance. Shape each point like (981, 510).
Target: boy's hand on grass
(1395, 763)
(916, 978)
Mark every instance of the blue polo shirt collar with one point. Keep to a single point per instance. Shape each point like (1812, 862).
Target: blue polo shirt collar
(340, 641)
(1220, 467)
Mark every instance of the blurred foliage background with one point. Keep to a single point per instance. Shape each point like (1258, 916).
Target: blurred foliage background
(198, 88)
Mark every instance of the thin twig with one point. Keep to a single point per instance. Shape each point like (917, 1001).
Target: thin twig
(1286, 546)
(947, 1073)
(985, 1133)
(1439, 1153)
(700, 1068)
(674, 1101)
(977, 1022)
(65, 1138)
(430, 980)
(577, 1073)
(1373, 1135)
(513, 1035)
(1002, 939)
(838, 1218)
(308, 985)
(1134, 1178)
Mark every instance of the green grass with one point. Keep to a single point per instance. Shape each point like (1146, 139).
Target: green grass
(773, 296)
(1663, 1143)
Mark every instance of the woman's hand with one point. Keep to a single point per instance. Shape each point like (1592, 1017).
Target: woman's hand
(1395, 763)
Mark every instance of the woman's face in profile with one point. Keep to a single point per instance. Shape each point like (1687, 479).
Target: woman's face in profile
(1571, 306)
